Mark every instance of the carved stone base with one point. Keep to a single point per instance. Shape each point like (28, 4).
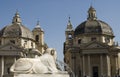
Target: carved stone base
(41, 75)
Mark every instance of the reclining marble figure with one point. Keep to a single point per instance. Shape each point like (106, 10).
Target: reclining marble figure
(43, 64)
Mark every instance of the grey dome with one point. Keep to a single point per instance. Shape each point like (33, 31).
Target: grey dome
(93, 27)
(16, 30)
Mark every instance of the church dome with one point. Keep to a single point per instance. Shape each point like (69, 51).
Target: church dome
(93, 26)
(16, 29)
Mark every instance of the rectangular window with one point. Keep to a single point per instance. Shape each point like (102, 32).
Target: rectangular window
(31, 44)
(79, 41)
(12, 41)
(93, 39)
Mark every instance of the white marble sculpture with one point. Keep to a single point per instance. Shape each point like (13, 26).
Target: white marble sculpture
(40, 65)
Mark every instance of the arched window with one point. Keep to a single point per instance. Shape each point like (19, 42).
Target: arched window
(37, 38)
(70, 36)
(107, 39)
(16, 20)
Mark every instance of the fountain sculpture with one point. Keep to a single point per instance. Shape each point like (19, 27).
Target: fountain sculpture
(43, 66)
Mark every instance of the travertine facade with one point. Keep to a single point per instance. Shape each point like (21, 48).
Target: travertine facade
(90, 49)
(18, 41)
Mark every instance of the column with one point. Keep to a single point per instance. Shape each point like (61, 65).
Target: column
(108, 66)
(83, 65)
(2, 62)
(80, 73)
(14, 59)
(119, 63)
(72, 57)
(74, 63)
(101, 64)
(116, 60)
(89, 66)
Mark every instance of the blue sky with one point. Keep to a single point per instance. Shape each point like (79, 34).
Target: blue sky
(53, 16)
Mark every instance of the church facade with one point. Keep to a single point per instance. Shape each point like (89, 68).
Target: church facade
(18, 41)
(90, 49)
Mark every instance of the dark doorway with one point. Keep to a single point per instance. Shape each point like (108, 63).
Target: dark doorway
(95, 71)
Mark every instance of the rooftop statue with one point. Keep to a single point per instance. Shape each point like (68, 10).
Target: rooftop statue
(43, 64)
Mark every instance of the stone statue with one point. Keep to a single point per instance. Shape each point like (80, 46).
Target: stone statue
(43, 64)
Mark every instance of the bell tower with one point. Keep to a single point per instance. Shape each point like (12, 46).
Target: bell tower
(69, 33)
(39, 37)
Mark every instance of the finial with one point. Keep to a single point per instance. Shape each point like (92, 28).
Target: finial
(69, 25)
(16, 10)
(92, 2)
(38, 24)
(17, 13)
(69, 17)
(69, 22)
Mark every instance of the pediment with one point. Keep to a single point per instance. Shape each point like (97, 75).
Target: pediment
(9, 46)
(10, 50)
(95, 45)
